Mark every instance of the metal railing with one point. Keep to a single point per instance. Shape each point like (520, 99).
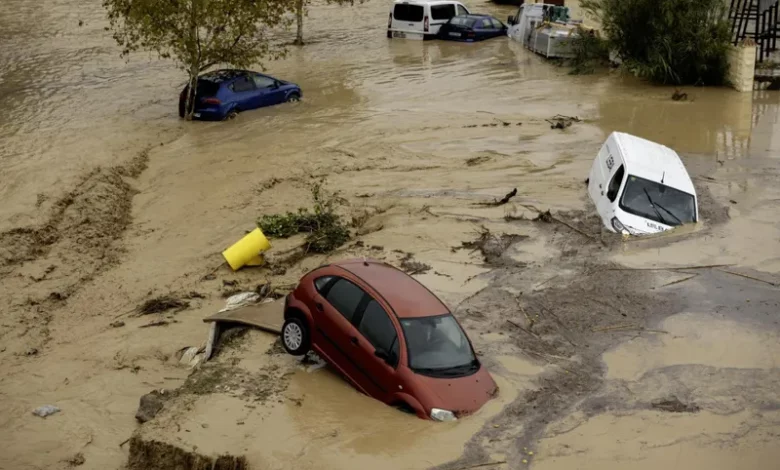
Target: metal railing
(757, 20)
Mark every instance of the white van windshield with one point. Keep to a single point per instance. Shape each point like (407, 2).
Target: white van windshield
(657, 202)
(406, 12)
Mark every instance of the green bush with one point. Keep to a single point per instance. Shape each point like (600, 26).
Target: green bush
(590, 51)
(680, 42)
(324, 229)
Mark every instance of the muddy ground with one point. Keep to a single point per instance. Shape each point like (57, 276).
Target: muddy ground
(609, 352)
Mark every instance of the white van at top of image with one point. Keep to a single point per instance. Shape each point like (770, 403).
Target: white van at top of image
(641, 187)
(420, 19)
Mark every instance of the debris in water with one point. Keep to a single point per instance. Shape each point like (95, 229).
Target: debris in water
(45, 410)
(674, 405)
(117, 324)
(155, 323)
(679, 95)
(503, 200)
(545, 217)
(473, 161)
(492, 246)
(162, 304)
(76, 461)
(150, 404)
(480, 465)
(241, 300)
(412, 267)
(560, 121)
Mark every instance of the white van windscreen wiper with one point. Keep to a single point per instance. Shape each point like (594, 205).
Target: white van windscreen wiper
(652, 204)
(670, 213)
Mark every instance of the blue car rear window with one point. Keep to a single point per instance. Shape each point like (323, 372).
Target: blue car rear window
(463, 21)
(207, 88)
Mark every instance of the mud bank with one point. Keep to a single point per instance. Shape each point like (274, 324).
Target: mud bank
(41, 267)
(152, 454)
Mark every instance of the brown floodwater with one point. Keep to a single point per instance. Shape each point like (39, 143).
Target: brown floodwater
(394, 125)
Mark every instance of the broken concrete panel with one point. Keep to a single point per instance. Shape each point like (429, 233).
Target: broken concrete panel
(150, 405)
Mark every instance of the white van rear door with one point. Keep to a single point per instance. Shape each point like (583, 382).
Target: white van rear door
(441, 14)
(408, 17)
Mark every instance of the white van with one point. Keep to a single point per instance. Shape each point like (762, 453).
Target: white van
(641, 187)
(421, 19)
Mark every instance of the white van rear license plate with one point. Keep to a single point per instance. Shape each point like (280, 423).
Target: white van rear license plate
(399, 34)
(455, 35)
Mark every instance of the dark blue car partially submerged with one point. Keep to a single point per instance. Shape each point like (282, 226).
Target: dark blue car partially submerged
(470, 28)
(223, 94)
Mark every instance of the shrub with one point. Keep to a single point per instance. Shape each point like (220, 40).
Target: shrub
(667, 41)
(590, 52)
(324, 229)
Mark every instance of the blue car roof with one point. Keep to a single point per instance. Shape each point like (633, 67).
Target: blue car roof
(225, 75)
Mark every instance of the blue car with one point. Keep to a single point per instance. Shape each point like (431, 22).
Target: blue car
(223, 94)
(471, 28)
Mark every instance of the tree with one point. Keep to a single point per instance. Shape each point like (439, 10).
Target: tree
(302, 9)
(199, 34)
(667, 41)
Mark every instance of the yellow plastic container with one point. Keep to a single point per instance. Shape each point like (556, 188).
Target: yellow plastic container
(247, 251)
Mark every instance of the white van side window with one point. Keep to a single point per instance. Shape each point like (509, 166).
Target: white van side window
(406, 12)
(614, 184)
(462, 11)
(442, 12)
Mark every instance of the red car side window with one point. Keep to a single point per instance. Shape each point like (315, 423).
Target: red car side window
(378, 329)
(345, 297)
(321, 284)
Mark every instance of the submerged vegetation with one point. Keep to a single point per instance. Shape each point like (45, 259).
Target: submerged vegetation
(677, 42)
(324, 228)
(590, 52)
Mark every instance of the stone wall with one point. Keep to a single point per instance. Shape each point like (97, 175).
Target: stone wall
(742, 66)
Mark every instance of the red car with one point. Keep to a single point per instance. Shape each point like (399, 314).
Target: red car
(389, 336)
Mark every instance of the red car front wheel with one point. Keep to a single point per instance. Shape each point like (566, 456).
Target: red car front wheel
(295, 337)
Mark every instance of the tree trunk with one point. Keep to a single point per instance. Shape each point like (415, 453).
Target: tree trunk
(189, 103)
(299, 20)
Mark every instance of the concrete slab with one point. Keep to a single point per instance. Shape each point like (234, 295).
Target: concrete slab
(266, 316)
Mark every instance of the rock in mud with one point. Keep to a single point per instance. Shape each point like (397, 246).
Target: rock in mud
(45, 410)
(148, 454)
(150, 405)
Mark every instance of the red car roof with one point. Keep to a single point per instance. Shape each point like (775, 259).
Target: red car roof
(406, 295)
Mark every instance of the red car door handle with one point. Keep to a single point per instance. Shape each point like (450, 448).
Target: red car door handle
(319, 306)
(354, 340)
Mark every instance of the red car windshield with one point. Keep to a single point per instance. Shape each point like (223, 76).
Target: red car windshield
(438, 347)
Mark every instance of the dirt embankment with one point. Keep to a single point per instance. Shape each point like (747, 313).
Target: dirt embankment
(41, 267)
(145, 455)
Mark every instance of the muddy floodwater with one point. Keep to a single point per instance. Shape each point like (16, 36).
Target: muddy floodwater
(659, 352)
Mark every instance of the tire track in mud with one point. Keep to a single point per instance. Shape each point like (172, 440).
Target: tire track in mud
(40, 267)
